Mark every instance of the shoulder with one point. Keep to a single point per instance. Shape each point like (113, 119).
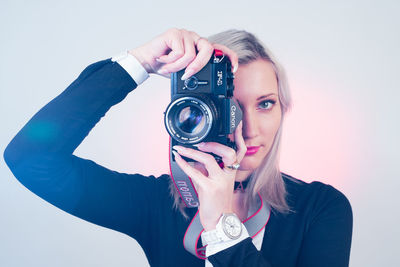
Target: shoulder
(315, 197)
(160, 185)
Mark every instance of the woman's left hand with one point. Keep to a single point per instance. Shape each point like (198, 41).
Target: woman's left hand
(214, 185)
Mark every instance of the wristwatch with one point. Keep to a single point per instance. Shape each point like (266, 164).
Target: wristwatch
(229, 227)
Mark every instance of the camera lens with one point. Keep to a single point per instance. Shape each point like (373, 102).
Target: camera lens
(191, 120)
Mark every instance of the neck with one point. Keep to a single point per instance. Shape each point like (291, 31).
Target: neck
(242, 175)
(238, 206)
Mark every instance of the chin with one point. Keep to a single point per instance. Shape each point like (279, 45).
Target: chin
(249, 164)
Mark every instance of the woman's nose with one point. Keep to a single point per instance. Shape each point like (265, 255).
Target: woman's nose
(250, 127)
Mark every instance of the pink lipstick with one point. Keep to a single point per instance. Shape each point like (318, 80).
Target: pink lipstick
(251, 150)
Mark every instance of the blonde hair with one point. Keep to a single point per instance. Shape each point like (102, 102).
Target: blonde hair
(267, 178)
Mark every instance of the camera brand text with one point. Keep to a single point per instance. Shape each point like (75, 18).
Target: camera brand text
(233, 116)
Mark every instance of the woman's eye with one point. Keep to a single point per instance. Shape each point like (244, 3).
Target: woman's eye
(266, 104)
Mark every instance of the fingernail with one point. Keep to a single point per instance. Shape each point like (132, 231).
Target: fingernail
(159, 60)
(176, 154)
(235, 68)
(162, 71)
(178, 148)
(187, 74)
(199, 145)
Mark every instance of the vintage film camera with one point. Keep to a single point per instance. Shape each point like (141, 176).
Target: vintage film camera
(202, 108)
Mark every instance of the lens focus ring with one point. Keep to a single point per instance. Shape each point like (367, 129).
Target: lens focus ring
(189, 119)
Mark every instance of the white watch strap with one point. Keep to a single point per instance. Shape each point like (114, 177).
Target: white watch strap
(132, 66)
(215, 247)
(210, 237)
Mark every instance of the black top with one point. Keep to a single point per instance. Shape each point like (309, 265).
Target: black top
(317, 232)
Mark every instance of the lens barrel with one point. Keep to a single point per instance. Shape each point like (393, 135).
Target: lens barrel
(190, 119)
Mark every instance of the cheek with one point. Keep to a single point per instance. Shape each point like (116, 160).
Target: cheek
(269, 129)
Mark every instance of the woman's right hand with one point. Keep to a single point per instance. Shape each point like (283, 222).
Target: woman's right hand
(175, 50)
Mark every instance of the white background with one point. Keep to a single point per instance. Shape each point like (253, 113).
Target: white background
(342, 60)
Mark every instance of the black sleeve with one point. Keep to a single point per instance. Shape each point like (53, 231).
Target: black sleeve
(41, 155)
(328, 239)
(241, 254)
(326, 242)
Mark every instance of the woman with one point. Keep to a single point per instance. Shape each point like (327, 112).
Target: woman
(306, 224)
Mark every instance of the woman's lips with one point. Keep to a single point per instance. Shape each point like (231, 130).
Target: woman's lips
(251, 150)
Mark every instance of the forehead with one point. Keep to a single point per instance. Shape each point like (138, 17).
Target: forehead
(254, 80)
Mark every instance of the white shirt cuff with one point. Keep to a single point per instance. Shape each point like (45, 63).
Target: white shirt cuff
(214, 248)
(132, 66)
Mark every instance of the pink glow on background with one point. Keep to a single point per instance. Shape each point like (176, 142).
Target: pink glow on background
(321, 138)
(321, 135)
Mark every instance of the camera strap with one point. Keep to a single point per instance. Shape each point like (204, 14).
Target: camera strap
(254, 224)
(182, 182)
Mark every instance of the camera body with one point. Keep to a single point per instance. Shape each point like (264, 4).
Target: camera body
(202, 108)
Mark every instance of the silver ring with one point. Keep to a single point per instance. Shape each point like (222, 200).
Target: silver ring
(234, 166)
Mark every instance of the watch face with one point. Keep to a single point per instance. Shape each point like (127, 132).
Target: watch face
(232, 226)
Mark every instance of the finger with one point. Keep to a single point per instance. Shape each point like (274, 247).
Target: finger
(227, 154)
(231, 54)
(175, 43)
(205, 51)
(239, 141)
(200, 167)
(193, 173)
(171, 57)
(189, 56)
(206, 159)
(166, 75)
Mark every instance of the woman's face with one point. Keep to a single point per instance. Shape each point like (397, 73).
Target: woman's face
(256, 91)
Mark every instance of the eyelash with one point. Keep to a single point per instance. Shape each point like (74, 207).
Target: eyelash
(272, 102)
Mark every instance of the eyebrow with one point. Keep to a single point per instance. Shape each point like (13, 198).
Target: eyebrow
(265, 96)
